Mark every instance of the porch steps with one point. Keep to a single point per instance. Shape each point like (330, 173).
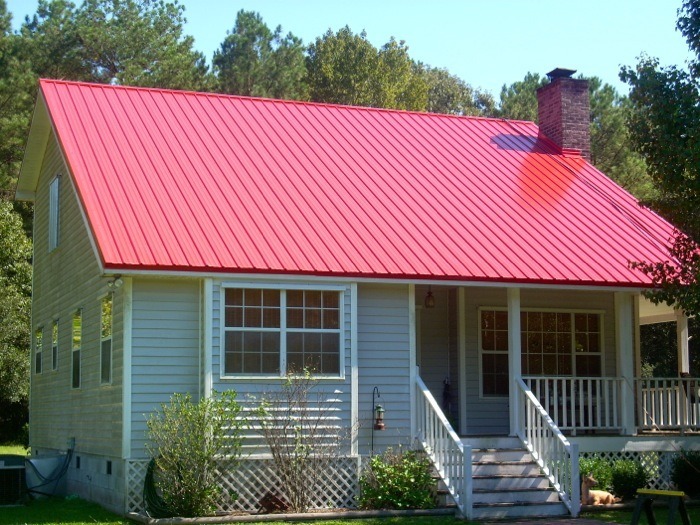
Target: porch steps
(508, 484)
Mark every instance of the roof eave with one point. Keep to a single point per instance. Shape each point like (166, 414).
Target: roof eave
(37, 141)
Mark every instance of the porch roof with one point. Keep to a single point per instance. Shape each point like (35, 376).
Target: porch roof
(209, 183)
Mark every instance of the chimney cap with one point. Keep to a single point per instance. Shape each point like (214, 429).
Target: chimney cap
(560, 72)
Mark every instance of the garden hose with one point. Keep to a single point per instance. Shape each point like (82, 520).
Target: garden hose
(155, 505)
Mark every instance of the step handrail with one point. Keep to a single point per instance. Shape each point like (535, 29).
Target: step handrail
(452, 459)
(555, 455)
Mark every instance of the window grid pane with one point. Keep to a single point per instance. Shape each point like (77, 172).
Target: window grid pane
(54, 345)
(38, 350)
(254, 330)
(106, 323)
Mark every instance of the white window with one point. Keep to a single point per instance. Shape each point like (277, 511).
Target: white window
(54, 345)
(271, 332)
(38, 349)
(76, 345)
(54, 212)
(553, 343)
(106, 321)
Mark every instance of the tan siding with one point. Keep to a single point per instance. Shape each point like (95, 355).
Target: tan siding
(64, 280)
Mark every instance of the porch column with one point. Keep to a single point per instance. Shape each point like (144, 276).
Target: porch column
(682, 342)
(624, 338)
(514, 352)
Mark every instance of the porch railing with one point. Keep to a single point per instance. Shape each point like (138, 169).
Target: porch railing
(580, 403)
(668, 404)
(557, 458)
(452, 459)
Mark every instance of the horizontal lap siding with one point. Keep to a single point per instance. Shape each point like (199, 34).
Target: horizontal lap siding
(384, 361)
(64, 280)
(334, 394)
(165, 348)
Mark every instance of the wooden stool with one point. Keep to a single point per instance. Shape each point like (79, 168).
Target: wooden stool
(645, 499)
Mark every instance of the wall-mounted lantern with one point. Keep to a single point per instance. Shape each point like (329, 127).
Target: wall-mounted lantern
(379, 418)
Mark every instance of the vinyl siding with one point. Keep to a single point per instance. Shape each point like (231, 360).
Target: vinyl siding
(435, 358)
(65, 279)
(384, 361)
(165, 348)
(334, 395)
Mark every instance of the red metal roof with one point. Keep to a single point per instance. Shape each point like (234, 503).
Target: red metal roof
(209, 183)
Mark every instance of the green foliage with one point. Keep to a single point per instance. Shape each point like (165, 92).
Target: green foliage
(685, 472)
(345, 68)
(659, 349)
(627, 477)
(128, 42)
(519, 100)
(397, 480)
(665, 128)
(450, 94)
(601, 469)
(255, 61)
(188, 441)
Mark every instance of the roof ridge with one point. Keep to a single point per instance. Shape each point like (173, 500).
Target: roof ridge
(215, 94)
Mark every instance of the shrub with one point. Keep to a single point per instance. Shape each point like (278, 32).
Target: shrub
(397, 480)
(685, 472)
(627, 477)
(601, 469)
(304, 433)
(188, 441)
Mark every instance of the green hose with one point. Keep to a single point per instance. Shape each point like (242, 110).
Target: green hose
(155, 506)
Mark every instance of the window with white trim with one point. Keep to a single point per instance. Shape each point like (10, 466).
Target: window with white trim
(76, 346)
(270, 331)
(54, 187)
(38, 349)
(54, 345)
(106, 321)
(553, 343)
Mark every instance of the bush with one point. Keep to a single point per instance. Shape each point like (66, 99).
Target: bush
(685, 472)
(627, 477)
(601, 469)
(188, 442)
(397, 480)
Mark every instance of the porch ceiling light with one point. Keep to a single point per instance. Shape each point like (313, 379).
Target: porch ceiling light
(429, 298)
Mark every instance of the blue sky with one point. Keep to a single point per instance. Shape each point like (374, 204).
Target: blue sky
(488, 43)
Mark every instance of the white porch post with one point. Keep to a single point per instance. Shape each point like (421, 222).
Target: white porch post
(514, 351)
(682, 342)
(624, 338)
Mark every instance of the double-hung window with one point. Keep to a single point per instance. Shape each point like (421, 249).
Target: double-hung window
(269, 332)
(38, 349)
(54, 345)
(76, 345)
(106, 340)
(54, 217)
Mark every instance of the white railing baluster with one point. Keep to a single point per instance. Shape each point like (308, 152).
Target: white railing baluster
(452, 459)
(557, 458)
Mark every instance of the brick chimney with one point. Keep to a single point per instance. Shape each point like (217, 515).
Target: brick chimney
(564, 112)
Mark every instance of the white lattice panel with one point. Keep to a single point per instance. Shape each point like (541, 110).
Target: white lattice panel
(657, 465)
(252, 478)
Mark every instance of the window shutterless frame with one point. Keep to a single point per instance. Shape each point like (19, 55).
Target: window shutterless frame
(76, 347)
(54, 212)
(106, 336)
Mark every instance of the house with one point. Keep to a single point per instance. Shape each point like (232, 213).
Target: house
(191, 242)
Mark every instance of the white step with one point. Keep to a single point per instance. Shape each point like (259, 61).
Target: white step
(513, 510)
(512, 495)
(509, 482)
(505, 468)
(506, 454)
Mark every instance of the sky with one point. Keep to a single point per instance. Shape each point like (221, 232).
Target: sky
(487, 43)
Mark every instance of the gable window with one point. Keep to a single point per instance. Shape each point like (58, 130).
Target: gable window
(270, 331)
(54, 187)
(553, 343)
(106, 321)
(76, 345)
(54, 345)
(38, 349)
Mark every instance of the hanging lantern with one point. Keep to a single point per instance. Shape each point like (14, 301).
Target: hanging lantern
(379, 418)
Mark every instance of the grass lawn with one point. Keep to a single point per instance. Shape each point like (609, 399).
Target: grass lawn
(13, 449)
(74, 511)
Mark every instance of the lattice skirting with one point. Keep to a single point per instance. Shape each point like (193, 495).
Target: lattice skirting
(657, 464)
(255, 477)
